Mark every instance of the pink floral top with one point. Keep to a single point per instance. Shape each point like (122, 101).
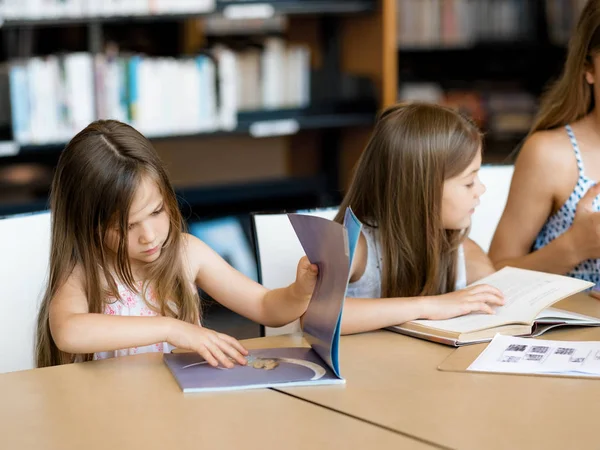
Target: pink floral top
(132, 304)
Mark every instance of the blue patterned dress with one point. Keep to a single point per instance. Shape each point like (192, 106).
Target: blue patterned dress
(562, 220)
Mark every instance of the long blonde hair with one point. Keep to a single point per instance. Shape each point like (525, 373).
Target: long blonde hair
(93, 188)
(570, 98)
(397, 187)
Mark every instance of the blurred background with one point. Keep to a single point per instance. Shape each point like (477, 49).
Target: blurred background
(260, 105)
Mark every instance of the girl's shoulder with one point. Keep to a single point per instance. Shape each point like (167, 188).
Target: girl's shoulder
(193, 253)
(79, 277)
(552, 142)
(359, 262)
(76, 279)
(190, 244)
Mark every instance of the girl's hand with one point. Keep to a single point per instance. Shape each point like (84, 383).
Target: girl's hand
(479, 298)
(214, 347)
(306, 279)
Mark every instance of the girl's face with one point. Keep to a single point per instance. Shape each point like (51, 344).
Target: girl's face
(148, 225)
(461, 196)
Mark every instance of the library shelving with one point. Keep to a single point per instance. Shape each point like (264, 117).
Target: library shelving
(352, 75)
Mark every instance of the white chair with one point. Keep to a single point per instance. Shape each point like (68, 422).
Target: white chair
(24, 257)
(278, 251)
(496, 179)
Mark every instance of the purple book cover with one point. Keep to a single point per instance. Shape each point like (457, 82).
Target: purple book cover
(330, 246)
(332, 252)
(266, 368)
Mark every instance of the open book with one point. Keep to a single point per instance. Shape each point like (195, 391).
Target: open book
(528, 296)
(331, 247)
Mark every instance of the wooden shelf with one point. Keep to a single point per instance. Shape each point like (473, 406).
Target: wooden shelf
(228, 198)
(308, 119)
(300, 7)
(282, 7)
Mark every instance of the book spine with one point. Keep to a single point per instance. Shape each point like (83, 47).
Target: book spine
(19, 99)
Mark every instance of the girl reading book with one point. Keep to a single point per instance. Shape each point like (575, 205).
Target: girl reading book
(414, 189)
(551, 221)
(123, 274)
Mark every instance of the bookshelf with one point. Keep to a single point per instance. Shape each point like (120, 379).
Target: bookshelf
(491, 58)
(352, 61)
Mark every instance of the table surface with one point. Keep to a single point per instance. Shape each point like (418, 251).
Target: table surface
(134, 402)
(393, 380)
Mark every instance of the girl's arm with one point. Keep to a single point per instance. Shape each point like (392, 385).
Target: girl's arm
(75, 330)
(539, 169)
(478, 264)
(273, 308)
(368, 314)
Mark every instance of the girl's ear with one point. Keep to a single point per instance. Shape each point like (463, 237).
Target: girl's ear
(589, 75)
(590, 72)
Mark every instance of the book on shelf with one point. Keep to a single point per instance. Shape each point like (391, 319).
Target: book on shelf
(562, 16)
(330, 246)
(54, 97)
(462, 23)
(499, 110)
(527, 311)
(65, 9)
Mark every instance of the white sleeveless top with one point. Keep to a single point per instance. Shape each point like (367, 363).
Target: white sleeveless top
(369, 284)
(132, 304)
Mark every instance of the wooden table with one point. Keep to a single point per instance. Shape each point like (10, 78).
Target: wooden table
(134, 403)
(392, 380)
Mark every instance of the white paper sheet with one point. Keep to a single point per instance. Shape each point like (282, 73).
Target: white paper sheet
(510, 354)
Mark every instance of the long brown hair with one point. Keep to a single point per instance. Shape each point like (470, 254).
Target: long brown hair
(570, 98)
(397, 188)
(93, 188)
